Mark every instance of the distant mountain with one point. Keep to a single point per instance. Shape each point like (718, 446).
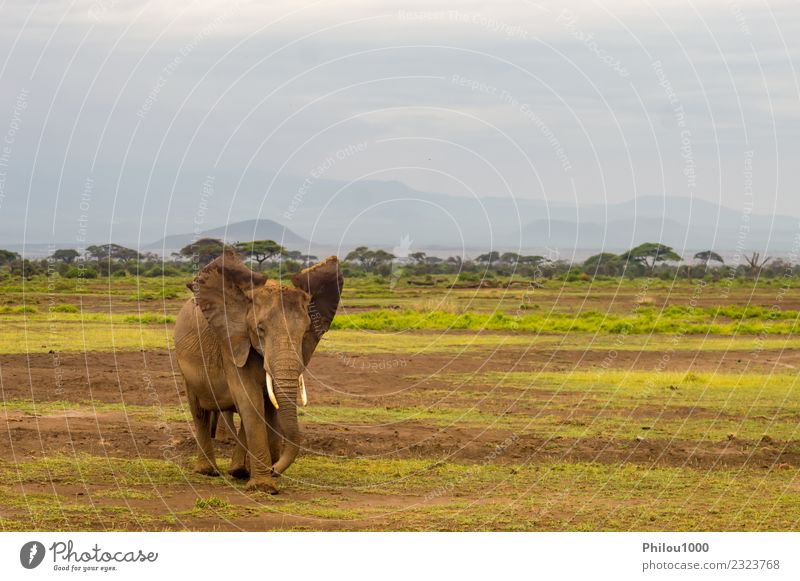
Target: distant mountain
(327, 216)
(236, 232)
(682, 223)
(617, 234)
(343, 215)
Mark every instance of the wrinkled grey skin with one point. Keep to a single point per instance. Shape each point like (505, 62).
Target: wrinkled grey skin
(237, 328)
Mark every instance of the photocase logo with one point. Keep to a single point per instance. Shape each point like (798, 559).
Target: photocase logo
(401, 254)
(403, 249)
(31, 554)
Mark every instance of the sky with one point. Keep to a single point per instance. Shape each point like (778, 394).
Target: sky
(124, 120)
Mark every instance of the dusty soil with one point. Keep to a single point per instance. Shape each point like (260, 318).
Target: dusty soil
(151, 379)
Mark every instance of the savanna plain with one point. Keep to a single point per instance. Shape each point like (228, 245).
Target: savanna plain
(611, 405)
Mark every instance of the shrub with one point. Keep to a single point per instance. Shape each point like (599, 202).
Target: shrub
(18, 310)
(149, 319)
(157, 271)
(469, 276)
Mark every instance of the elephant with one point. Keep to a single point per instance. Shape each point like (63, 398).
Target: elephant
(242, 343)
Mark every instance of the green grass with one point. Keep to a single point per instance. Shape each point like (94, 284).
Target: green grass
(59, 407)
(551, 421)
(21, 310)
(548, 496)
(211, 502)
(681, 405)
(39, 511)
(86, 469)
(149, 319)
(772, 393)
(69, 314)
(644, 321)
(587, 497)
(67, 332)
(97, 332)
(417, 494)
(772, 386)
(355, 341)
(118, 286)
(578, 313)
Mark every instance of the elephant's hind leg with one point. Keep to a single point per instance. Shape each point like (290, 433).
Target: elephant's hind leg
(206, 464)
(239, 467)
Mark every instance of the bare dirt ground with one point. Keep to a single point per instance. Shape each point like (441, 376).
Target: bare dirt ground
(128, 405)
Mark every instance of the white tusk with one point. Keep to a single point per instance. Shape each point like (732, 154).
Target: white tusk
(303, 394)
(271, 392)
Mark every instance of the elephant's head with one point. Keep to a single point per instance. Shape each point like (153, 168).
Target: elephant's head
(282, 324)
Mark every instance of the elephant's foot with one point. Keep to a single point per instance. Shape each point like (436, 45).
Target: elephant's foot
(206, 469)
(262, 484)
(240, 472)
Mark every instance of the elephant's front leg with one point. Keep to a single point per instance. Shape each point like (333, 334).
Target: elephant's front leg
(249, 398)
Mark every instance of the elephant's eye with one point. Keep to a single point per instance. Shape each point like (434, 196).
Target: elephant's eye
(260, 330)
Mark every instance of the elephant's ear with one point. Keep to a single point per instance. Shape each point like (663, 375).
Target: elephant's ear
(323, 282)
(219, 289)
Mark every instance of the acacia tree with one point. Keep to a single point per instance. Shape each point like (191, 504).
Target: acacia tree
(260, 250)
(294, 255)
(511, 258)
(112, 252)
(65, 255)
(488, 258)
(456, 261)
(650, 254)
(205, 249)
(24, 268)
(359, 256)
(418, 257)
(604, 263)
(368, 259)
(7, 257)
(531, 260)
(708, 256)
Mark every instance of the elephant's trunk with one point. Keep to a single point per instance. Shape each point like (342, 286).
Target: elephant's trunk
(287, 380)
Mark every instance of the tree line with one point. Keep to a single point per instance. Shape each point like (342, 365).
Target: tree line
(649, 259)
(117, 260)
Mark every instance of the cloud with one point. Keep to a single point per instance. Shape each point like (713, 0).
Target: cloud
(147, 99)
